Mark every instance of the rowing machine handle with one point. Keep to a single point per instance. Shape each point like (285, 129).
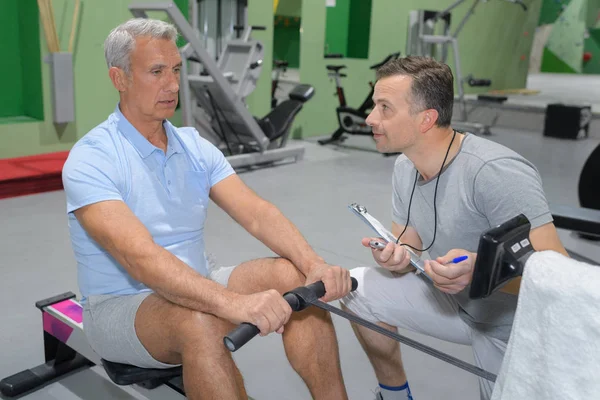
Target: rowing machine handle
(297, 299)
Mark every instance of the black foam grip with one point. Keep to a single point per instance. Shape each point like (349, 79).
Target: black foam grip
(244, 332)
(240, 336)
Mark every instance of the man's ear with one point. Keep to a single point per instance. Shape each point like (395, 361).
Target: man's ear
(118, 78)
(428, 120)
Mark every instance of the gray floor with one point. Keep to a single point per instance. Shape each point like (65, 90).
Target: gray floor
(314, 194)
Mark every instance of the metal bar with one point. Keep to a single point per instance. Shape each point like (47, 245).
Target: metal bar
(250, 159)
(459, 80)
(450, 8)
(410, 342)
(185, 95)
(465, 18)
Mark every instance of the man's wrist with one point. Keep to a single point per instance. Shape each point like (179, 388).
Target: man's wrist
(309, 265)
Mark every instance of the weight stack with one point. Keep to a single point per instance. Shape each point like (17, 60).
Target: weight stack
(567, 121)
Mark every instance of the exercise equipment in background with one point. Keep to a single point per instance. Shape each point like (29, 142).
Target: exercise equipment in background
(212, 100)
(279, 68)
(424, 39)
(352, 121)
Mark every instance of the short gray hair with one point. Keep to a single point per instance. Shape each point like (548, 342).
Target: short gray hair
(121, 41)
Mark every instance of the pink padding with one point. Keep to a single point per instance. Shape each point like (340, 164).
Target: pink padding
(71, 309)
(56, 328)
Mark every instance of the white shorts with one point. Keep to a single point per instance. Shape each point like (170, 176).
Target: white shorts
(410, 302)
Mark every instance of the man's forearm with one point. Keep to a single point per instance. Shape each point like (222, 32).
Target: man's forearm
(169, 277)
(278, 233)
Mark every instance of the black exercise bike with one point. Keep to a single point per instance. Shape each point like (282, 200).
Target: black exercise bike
(351, 121)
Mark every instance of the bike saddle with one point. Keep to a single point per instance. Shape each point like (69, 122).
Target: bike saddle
(335, 68)
(281, 63)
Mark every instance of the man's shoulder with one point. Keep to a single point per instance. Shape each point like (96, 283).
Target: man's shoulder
(191, 137)
(98, 145)
(100, 137)
(402, 162)
(485, 150)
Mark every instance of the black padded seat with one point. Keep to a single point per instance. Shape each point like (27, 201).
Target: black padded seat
(277, 123)
(335, 68)
(124, 374)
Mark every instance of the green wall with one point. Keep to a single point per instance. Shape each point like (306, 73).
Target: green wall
(20, 71)
(336, 26)
(29, 41)
(348, 28)
(286, 39)
(490, 47)
(260, 12)
(289, 8)
(493, 44)
(359, 28)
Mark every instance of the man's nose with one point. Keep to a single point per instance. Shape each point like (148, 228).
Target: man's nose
(371, 120)
(173, 83)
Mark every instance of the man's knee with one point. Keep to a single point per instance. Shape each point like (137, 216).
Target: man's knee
(264, 274)
(203, 333)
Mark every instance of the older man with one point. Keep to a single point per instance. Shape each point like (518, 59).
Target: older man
(137, 195)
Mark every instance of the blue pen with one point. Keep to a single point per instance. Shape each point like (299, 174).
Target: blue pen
(459, 259)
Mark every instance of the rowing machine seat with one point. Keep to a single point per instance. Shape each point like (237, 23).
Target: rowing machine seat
(124, 374)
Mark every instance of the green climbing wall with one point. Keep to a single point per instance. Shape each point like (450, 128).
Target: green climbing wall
(573, 45)
(566, 40)
(592, 46)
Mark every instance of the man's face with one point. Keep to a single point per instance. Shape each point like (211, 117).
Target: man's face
(394, 128)
(153, 86)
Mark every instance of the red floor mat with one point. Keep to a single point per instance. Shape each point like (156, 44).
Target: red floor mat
(32, 174)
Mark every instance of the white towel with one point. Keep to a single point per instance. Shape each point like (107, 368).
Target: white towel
(554, 348)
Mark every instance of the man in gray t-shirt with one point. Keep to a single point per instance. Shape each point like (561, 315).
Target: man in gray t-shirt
(483, 186)
(448, 188)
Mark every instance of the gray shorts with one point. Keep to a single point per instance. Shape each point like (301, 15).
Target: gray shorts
(409, 302)
(108, 323)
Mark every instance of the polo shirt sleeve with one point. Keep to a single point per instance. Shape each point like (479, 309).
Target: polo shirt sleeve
(218, 167)
(90, 175)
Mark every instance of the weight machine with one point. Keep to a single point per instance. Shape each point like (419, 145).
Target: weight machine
(422, 40)
(212, 95)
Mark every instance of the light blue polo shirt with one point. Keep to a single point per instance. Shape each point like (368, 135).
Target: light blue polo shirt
(167, 192)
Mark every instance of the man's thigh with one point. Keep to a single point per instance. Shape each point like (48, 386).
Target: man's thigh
(406, 301)
(148, 331)
(111, 325)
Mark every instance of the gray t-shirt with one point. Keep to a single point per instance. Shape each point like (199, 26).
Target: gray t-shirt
(485, 185)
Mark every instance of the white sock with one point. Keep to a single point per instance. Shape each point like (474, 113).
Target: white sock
(395, 392)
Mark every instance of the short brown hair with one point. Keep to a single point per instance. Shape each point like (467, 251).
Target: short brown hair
(432, 84)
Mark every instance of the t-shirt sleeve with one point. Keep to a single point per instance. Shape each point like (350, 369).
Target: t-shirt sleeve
(399, 202)
(507, 187)
(90, 175)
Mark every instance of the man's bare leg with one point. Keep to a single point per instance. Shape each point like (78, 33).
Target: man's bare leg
(383, 353)
(309, 337)
(177, 335)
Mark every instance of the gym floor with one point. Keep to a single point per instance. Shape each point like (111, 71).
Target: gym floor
(314, 194)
